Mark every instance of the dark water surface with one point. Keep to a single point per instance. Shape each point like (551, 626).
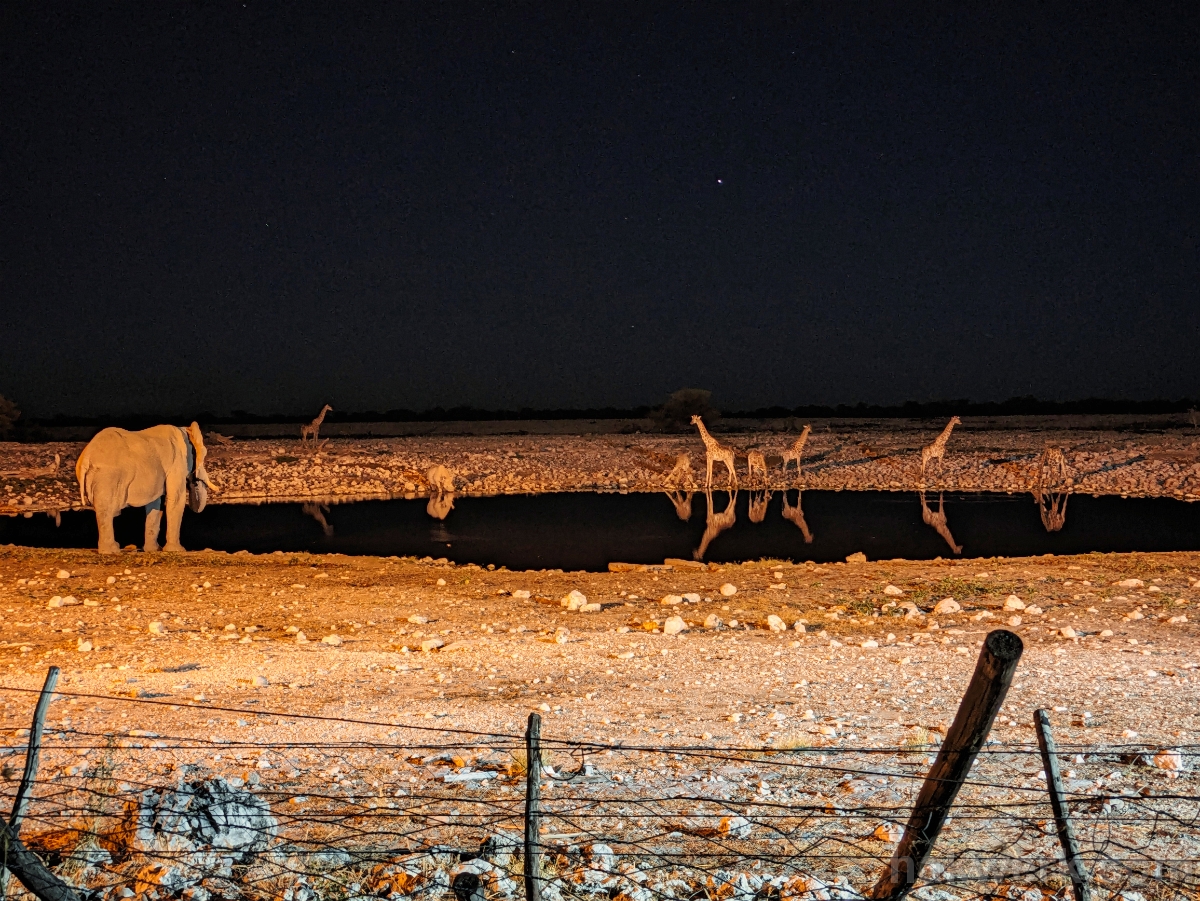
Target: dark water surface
(587, 531)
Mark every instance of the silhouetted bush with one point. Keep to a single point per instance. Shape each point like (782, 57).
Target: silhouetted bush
(676, 414)
(9, 414)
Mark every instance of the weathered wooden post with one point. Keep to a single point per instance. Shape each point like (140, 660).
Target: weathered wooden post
(1062, 816)
(533, 790)
(15, 858)
(982, 701)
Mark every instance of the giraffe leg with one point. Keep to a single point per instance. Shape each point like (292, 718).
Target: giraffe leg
(708, 480)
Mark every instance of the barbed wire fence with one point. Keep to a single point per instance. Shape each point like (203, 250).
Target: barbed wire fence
(428, 813)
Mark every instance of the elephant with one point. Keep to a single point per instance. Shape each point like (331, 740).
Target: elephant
(121, 469)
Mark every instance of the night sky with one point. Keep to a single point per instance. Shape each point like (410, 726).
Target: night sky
(268, 207)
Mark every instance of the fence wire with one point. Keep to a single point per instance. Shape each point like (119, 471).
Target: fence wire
(418, 813)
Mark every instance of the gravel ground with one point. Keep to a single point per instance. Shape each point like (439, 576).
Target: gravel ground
(1104, 456)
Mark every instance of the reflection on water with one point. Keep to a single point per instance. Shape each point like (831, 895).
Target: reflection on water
(795, 516)
(716, 523)
(440, 505)
(1049, 490)
(317, 512)
(758, 505)
(938, 520)
(682, 500)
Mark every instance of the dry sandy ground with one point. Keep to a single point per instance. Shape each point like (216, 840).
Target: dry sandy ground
(229, 619)
(1104, 456)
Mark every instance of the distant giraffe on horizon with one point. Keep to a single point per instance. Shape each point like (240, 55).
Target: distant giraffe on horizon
(796, 451)
(313, 429)
(937, 449)
(715, 451)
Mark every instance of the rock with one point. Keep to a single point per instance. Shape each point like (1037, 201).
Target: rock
(521, 594)
(892, 591)
(1131, 583)
(441, 583)
(674, 625)
(1106, 633)
(54, 602)
(157, 628)
(63, 574)
(590, 608)
(417, 619)
(776, 623)
(574, 600)
(712, 621)
(301, 638)
(333, 640)
(261, 682)
(692, 598)
(1176, 620)
(735, 827)
(432, 644)
(728, 590)
(946, 606)
(1014, 620)
(671, 600)
(1034, 610)
(799, 627)
(869, 643)
(888, 832)
(601, 863)
(913, 611)
(83, 646)
(1012, 602)
(1067, 632)
(560, 635)
(857, 557)
(192, 816)
(1167, 760)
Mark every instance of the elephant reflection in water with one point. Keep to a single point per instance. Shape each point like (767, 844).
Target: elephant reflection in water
(440, 504)
(938, 520)
(795, 516)
(716, 522)
(317, 512)
(1048, 490)
(758, 505)
(682, 500)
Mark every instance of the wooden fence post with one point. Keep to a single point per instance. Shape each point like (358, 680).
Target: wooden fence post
(982, 701)
(15, 858)
(533, 788)
(1062, 816)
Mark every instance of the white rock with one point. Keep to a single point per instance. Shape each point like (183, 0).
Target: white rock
(1067, 632)
(418, 619)
(1012, 602)
(1131, 583)
(799, 627)
(671, 600)
(1107, 633)
(54, 602)
(776, 623)
(590, 608)
(157, 628)
(261, 682)
(334, 640)
(712, 621)
(574, 600)
(83, 646)
(1167, 760)
(432, 644)
(947, 605)
(63, 574)
(692, 598)
(1033, 610)
(889, 832)
(1181, 618)
(869, 643)
(892, 591)
(674, 625)
(735, 827)
(441, 583)
(1014, 620)
(301, 638)
(521, 593)
(728, 590)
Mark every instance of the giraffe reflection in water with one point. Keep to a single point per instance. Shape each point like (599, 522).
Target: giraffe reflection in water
(1050, 489)
(938, 520)
(682, 501)
(317, 512)
(440, 504)
(795, 516)
(716, 522)
(758, 505)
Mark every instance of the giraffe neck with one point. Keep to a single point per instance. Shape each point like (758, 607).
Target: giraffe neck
(709, 440)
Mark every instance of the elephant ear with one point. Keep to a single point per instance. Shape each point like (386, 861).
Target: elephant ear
(193, 432)
(197, 496)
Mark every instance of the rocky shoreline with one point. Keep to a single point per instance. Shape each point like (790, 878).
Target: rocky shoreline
(840, 456)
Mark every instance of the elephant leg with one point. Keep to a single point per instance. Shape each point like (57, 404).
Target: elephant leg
(104, 525)
(176, 499)
(153, 524)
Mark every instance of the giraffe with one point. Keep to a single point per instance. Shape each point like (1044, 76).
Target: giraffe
(756, 461)
(938, 520)
(681, 475)
(313, 429)
(794, 452)
(935, 450)
(795, 516)
(758, 505)
(716, 523)
(715, 451)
